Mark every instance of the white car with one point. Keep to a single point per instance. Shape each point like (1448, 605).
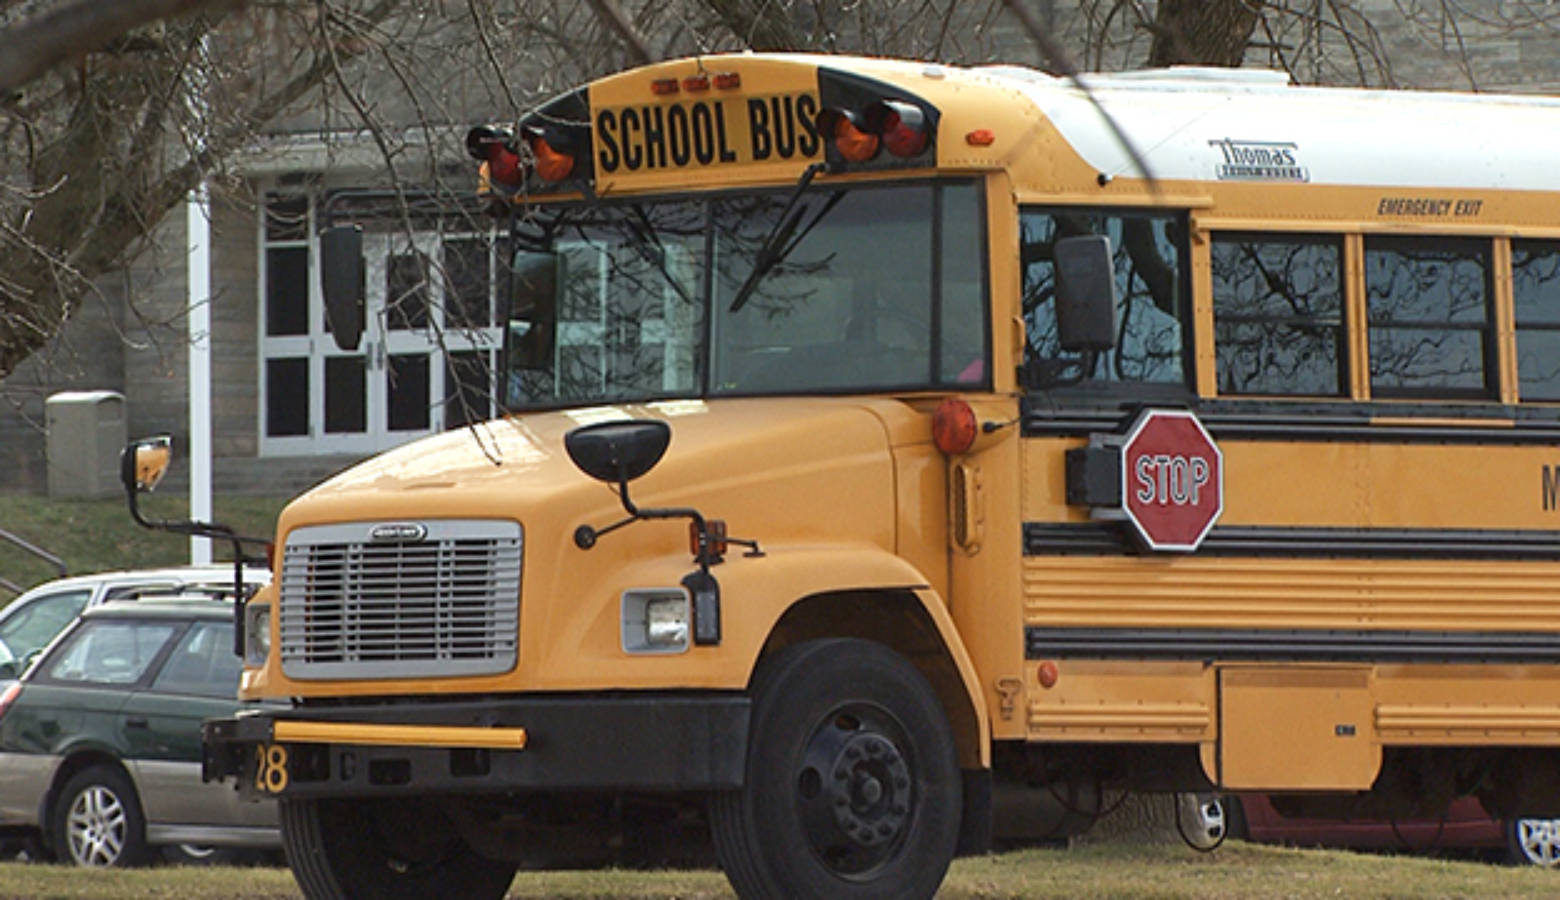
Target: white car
(32, 620)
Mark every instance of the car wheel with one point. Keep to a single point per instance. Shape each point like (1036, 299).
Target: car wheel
(97, 820)
(204, 855)
(384, 850)
(1202, 820)
(852, 785)
(1534, 842)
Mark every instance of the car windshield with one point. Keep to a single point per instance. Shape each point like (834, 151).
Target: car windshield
(870, 288)
(32, 623)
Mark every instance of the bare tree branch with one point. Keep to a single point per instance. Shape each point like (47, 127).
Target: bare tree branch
(37, 45)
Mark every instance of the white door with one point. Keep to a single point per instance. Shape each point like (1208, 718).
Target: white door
(425, 361)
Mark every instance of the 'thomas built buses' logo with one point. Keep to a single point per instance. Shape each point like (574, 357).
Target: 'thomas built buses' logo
(1259, 160)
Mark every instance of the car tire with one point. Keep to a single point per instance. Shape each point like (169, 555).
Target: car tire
(852, 785)
(1533, 842)
(384, 850)
(97, 820)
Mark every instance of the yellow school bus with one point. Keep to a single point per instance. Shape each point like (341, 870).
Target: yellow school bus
(893, 447)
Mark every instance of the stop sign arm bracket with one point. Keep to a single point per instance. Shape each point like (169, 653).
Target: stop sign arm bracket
(1094, 475)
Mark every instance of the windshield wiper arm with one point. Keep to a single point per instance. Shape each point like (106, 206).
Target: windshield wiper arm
(771, 252)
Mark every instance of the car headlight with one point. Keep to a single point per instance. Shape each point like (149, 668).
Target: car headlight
(656, 620)
(257, 633)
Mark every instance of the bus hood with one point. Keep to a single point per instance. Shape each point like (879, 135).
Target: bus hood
(775, 468)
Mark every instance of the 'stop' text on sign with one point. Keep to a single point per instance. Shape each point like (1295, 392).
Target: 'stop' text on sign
(1172, 477)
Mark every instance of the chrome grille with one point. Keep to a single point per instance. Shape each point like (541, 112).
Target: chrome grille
(356, 607)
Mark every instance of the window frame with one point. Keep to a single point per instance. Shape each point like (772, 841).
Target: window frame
(1345, 338)
(1112, 388)
(1489, 351)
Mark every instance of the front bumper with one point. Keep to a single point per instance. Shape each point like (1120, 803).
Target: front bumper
(645, 742)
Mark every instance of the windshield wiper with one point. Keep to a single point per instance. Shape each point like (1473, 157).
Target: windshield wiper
(774, 248)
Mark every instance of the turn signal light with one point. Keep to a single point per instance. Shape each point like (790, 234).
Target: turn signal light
(954, 427)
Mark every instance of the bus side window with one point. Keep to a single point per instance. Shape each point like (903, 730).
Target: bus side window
(1278, 314)
(1151, 291)
(1535, 282)
(1431, 329)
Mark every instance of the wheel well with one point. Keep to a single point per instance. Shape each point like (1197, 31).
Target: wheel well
(76, 762)
(896, 619)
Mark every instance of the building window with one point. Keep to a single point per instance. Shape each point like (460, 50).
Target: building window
(1278, 314)
(1151, 296)
(1428, 303)
(1535, 281)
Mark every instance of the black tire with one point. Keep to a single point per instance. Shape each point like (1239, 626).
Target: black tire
(852, 783)
(97, 820)
(384, 850)
(1533, 842)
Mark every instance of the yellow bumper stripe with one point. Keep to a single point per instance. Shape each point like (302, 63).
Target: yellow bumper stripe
(294, 732)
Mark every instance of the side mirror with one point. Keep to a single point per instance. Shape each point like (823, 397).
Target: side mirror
(1086, 317)
(341, 281)
(618, 452)
(144, 463)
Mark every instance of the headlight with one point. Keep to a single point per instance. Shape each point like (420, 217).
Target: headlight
(257, 633)
(656, 620)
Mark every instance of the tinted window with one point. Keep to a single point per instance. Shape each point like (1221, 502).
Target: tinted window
(108, 651)
(33, 625)
(1535, 280)
(1278, 314)
(1151, 294)
(1428, 300)
(203, 663)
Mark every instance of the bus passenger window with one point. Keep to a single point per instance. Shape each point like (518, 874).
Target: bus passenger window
(1151, 291)
(1278, 314)
(1431, 332)
(1535, 282)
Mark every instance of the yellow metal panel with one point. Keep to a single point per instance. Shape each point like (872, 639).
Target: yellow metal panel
(1126, 700)
(1206, 363)
(1297, 728)
(1357, 316)
(1209, 592)
(288, 731)
(1505, 322)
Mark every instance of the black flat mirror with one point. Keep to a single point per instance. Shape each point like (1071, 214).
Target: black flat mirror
(618, 452)
(341, 281)
(1086, 317)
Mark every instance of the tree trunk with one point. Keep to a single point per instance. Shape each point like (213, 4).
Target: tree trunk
(1202, 32)
(1142, 819)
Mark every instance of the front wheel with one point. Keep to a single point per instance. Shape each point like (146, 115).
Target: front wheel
(852, 783)
(97, 820)
(1534, 842)
(384, 850)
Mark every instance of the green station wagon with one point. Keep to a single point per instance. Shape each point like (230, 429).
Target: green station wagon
(100, 745)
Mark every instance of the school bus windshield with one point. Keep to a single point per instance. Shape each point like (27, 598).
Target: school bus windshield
(866, 288)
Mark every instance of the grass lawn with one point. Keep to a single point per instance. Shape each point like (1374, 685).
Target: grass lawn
(94, 535)
(1237, 870)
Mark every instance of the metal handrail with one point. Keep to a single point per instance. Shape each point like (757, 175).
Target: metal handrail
(35, 550)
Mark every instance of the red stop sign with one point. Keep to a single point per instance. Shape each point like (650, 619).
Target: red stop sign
(1172, 479)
